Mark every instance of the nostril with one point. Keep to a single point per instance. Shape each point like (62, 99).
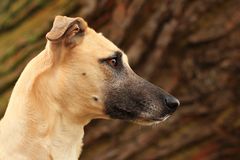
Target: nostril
(172, 103)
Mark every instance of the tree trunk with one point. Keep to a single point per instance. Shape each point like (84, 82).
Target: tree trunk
(190, 48)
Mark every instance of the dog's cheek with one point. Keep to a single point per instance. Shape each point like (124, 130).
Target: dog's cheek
(120, 103)
(117, 113)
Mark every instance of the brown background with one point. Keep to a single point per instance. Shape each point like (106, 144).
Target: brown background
(190, 48)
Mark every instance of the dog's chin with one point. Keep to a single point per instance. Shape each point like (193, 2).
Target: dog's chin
(149, 122)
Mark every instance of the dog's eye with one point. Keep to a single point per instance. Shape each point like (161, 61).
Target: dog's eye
(113, 62)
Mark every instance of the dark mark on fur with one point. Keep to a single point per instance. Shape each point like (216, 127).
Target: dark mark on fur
(95, 98)
(84, 74)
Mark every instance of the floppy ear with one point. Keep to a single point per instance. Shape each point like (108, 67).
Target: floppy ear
(64, 29)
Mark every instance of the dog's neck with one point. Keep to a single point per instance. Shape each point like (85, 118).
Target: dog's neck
(32, 127)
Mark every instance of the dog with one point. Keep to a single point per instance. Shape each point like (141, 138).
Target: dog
(79, 76)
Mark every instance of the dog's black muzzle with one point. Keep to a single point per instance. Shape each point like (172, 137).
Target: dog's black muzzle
(130, 97)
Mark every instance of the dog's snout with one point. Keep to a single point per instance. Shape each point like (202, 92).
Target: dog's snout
(172, 103)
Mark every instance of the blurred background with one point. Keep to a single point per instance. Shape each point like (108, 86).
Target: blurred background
(191, 48)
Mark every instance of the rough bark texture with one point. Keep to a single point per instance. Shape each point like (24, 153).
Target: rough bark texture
(190, 48)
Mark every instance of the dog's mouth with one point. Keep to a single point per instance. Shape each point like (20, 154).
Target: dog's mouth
(152, 121)
(142, 118)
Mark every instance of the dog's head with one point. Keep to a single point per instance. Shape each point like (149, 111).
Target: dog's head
(95, 79)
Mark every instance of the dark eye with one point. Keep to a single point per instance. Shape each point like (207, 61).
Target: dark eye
(112, 62)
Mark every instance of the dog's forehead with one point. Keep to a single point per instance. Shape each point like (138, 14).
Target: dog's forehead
(100, 44)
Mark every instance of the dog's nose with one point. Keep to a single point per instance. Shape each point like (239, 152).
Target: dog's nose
(172, 103)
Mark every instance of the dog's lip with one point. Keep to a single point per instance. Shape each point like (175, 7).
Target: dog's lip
(151, 121)
(162, 118)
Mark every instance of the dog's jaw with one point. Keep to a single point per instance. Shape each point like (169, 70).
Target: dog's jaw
(145, 122)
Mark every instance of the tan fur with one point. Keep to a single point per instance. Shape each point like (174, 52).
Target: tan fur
(53, 98)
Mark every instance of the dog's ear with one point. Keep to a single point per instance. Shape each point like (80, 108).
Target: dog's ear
(65, 29)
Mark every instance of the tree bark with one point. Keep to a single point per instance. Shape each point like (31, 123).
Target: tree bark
(190, 48)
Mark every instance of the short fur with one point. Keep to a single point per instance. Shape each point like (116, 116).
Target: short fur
(71, 82)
